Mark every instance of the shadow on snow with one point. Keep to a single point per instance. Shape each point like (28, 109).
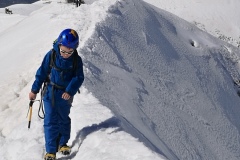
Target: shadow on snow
(84, 132)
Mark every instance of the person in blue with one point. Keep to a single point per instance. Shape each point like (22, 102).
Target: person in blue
(62, 71)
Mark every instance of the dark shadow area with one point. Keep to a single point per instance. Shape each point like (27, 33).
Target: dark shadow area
(84, 132)
(5, 3)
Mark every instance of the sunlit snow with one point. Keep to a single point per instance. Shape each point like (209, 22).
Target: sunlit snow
(157, 87)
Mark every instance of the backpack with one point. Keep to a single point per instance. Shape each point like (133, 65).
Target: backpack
(53, 65)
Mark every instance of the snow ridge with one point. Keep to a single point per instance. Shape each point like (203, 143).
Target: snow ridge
(165, 77)
(148, 72)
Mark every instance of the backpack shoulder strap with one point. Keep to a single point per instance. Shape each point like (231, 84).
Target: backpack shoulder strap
(75, 61)
(52, 63)
(53, 58)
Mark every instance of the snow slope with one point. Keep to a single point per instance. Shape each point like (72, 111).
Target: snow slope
(218, 17)
(156, 86)
(167, 80)
(96, 133)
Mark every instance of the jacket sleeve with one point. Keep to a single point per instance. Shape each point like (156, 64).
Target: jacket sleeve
(77, 80)
(42, 73)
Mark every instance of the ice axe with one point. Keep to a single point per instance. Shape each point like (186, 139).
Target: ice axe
(30, 112)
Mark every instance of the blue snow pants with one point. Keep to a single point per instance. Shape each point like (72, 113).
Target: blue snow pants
(57, 121)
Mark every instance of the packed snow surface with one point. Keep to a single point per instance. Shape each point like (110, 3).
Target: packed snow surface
(156, 86)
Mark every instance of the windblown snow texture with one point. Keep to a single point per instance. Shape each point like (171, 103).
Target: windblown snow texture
(166, 81)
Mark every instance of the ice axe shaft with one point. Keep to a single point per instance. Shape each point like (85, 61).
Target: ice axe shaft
(30, 113)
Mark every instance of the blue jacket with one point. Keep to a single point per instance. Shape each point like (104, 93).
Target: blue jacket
(69, 79)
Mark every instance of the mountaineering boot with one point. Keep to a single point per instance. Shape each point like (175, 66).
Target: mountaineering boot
(64, 149)
(50, 156)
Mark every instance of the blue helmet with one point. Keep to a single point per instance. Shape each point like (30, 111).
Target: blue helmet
(69, 38)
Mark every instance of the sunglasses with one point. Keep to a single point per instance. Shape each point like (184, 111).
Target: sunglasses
(65, 52)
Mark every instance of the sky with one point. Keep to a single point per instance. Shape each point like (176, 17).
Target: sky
(158, 85)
